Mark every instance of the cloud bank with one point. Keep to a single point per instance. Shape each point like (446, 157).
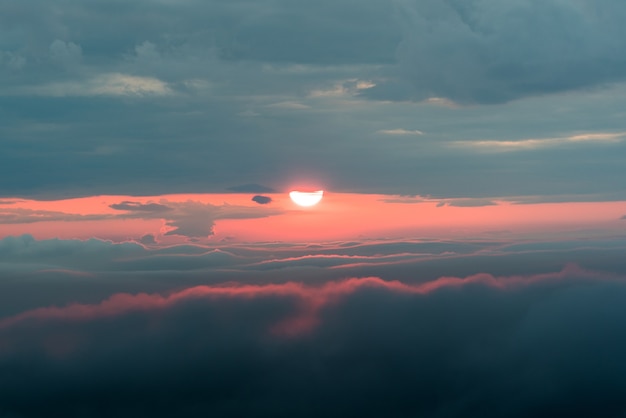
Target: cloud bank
(507, 346)
(490, 51)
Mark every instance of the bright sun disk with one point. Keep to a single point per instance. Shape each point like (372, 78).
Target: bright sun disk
(306, 199)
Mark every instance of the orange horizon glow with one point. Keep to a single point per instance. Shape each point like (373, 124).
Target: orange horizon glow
(339, 216)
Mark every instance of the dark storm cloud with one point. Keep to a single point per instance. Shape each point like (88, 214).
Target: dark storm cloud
(493, 51)
(509, 346)
(262, 200)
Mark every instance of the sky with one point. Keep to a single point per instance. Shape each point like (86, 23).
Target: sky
(466, 258)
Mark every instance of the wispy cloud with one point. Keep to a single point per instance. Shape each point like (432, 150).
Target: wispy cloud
(537, 143)
(339, 90)
(288, 105)
(109, 84)
(400, 131)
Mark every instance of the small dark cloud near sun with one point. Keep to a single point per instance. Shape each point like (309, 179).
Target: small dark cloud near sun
(251, 188)
(148, 239)
(140, 207)
(262, 200)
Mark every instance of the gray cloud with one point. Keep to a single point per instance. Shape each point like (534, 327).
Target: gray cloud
(191, 219)
(131, 267)
(140, 207)
(467, 203)
(251, 188)
(493, 52)
(65, 53)
(196, 220)
(243, 350)
(262, 200)
(148, 239)
(25, 216)
(191, 86)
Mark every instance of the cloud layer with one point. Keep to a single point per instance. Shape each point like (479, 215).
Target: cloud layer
(514, 346)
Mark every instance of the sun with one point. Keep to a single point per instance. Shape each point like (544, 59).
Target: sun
(306, 199)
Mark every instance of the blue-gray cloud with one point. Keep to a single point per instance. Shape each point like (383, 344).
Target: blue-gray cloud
(205, 95)
(251, 188)
(140, 207)
(492, 51)
(508, 346)
(262, 200)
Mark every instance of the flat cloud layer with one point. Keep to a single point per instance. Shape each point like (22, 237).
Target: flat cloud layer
(508, 346)
(348, 328)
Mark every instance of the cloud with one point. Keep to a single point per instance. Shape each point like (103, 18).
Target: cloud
(12, 60)
(288, 106)
(196, 219)
(466, 203)
(262, 200)
(30, 257)
(190, 218)
(148, 239)
(406, 199)
(251, 188)
(133, 267)
(147, 51)
(65, 53)
(538, 143)
(140, 207)
(390, 349)
(460, 202)
(494, 52)
(117, 84)
(108, 84)
(158, 77)
(314, 299)
(400, 131)
(87, 271)
(25, 216)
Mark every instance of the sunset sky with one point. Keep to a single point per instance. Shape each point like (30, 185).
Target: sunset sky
(467, 257)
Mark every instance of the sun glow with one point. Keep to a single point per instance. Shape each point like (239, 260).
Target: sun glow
(306, 199)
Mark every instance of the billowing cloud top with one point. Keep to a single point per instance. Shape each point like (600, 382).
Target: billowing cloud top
(449, 345)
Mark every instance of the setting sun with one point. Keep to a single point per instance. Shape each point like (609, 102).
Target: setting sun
(306, 199)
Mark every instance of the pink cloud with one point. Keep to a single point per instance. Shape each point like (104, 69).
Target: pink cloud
(310, 299)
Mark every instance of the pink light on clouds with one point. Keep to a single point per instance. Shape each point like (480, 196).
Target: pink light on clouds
(311, 299)
(340, 216)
